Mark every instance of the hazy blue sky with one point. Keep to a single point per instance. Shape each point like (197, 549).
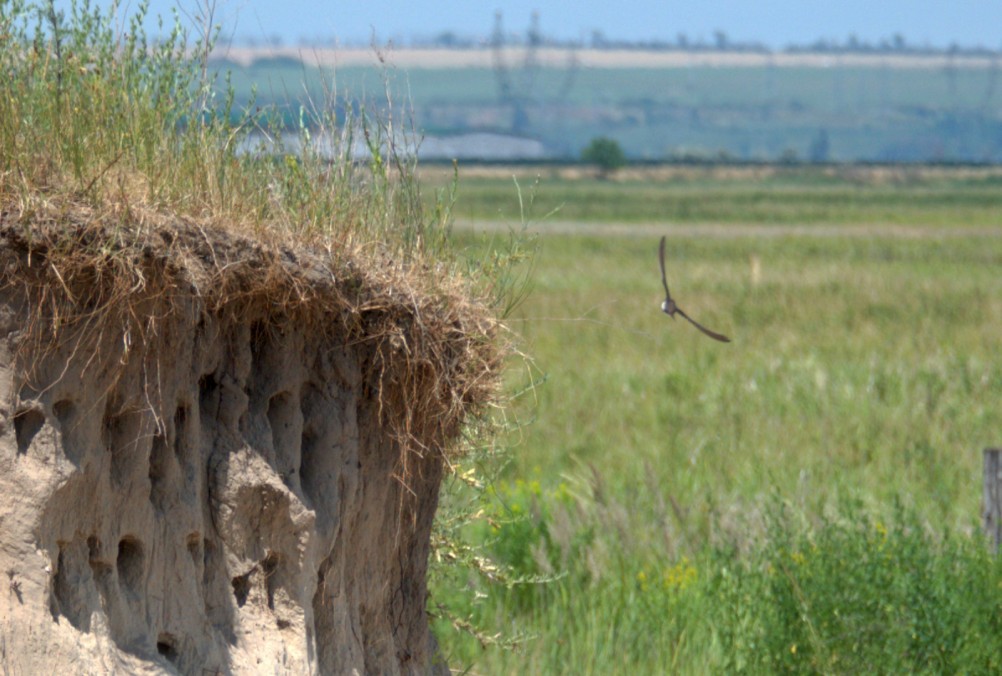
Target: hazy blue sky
(775, 23)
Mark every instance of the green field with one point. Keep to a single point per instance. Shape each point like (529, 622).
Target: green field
(841, 196)
(700, 112)
(804, 498)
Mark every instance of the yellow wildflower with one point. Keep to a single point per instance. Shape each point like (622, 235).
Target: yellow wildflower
(679, 576)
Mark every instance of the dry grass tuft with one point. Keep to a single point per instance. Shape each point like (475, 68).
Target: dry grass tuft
(434, 350)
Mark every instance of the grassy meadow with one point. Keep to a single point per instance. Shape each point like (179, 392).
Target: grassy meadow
(740, 195)
(805, 498)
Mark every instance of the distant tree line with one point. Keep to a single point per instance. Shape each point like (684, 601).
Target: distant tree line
(896, 44)
(720, 42)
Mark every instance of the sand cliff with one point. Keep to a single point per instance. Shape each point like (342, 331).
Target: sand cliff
(227, 462)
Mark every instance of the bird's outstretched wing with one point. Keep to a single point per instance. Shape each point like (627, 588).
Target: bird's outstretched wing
(661, 260)
(712, 334)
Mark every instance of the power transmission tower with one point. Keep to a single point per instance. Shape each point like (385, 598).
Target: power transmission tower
(500, 69)
(517, 90)
(993, 71)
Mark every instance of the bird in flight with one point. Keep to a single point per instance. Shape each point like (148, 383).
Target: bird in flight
(670, 308)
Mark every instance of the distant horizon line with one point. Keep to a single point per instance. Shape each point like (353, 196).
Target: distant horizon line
(485, 56)
(895, 44)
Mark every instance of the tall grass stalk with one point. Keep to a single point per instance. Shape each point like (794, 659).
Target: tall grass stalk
(94, 111)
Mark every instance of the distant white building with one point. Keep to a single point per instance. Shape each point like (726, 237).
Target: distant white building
(481, 146)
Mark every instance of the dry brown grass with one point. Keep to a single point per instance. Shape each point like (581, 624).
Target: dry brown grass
(87, 274)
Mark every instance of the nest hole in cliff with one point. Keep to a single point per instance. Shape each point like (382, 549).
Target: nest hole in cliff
(27, 423)
(242, 586)
(166, 646)
(208, 394)
(130, 564)
(181, 433)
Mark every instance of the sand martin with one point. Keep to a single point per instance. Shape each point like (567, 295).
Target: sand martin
(670, 308)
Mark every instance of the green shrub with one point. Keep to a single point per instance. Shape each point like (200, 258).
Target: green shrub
(605, 153)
